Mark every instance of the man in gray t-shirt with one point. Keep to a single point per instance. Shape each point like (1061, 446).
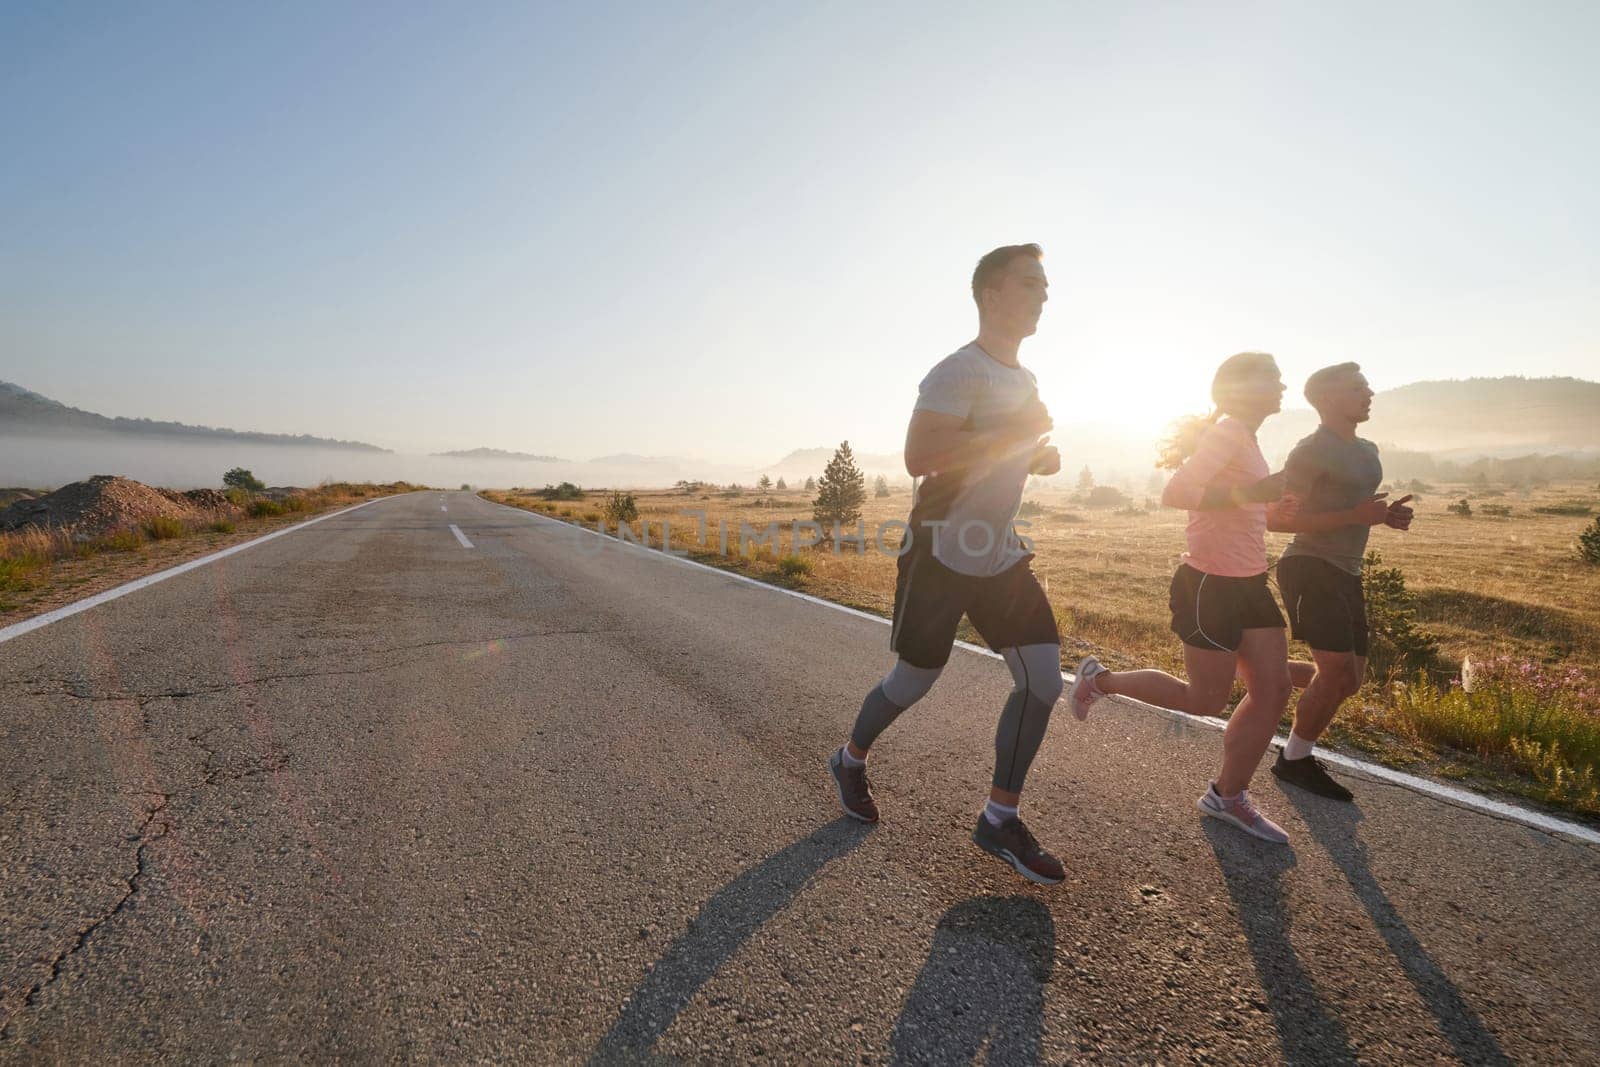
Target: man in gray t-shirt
(1330, 487)
(977, 431)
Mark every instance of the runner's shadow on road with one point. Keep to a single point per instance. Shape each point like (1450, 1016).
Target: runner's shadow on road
(724, 923)
(1254, 872)
(983, 983)
(1334, 826)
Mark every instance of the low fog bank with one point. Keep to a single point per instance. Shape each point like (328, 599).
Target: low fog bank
(54, 461)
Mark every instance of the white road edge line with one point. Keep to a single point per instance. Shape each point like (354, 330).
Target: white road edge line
(460, 536)
(1438, 790)
(17, 629)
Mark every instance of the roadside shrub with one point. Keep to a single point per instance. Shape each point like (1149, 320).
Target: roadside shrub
(591, 516)
(239, 478)
(567, 513)
(794, 566)
(1499, 511)
(1589, 543)
(296, 504)
(264, 508)
(127, 539)
(1460, 507)
(564, 491)
(621, 507)
(239, 498)
(1399, 647)
(465, 487)
(1565, 507)
(163, 528)
(1106, 496)
(221, 526)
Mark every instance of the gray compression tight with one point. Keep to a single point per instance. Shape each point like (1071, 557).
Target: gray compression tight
(1036, 670)
(1036, 674)
(901, 687)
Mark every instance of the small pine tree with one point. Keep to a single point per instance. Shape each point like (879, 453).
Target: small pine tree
(1399, 647)
(1589, 543)
(811, 485)
(781, 486)
(1086, 479)
(764, 483)
(841, 492)
(880, 488)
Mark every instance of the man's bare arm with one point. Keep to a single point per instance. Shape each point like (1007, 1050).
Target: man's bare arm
(937, 442)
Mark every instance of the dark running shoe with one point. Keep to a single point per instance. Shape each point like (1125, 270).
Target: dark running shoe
(1308, 774)
(1012, 842)
(855, 792)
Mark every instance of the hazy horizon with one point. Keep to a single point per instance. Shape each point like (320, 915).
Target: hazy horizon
(727, 232)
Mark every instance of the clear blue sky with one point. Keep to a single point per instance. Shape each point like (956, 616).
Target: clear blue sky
(731, 229)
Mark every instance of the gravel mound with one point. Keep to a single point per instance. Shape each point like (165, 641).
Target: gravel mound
(105, 502)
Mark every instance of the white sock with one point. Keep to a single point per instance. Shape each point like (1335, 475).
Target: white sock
(998, 813)
(850, 761)
(1297, 747)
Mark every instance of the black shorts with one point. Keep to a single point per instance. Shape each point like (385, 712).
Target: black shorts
(1325, 604)
(1008, 609)
(1213, 612)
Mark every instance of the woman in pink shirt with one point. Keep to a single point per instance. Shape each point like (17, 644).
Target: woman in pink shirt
(1221, 607)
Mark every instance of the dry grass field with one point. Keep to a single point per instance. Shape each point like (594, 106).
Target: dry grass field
(1510, 591)
(45, 569)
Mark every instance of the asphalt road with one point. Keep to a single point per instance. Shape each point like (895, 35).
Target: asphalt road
(364, 793)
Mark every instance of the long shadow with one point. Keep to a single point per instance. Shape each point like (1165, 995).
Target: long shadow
(1254, 871)
(1334, 826)
(983, 982)
(725, 922)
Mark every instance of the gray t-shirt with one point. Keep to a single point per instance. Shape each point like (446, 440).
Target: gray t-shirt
(972, 384)
(1327, 473)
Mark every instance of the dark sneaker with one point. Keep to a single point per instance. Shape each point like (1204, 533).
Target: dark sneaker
(855, 792)
(1308, 774)
(1012, 842)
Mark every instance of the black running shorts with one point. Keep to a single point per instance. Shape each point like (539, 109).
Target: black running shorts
(1325, 604)
(1213, 612)
(1008, 609)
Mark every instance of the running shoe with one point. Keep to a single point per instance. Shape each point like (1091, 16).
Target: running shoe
(855, 792)
(1241, 812)
(1012, 842)
(1310, 775)
(1083, 694)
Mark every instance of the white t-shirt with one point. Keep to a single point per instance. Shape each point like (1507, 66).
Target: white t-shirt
(972, 384)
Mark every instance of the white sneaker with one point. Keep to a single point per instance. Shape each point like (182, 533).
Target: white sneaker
(1241, 812)
(1083, 694)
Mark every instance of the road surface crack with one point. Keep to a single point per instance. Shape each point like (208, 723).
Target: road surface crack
(148, 832)
(66, 687)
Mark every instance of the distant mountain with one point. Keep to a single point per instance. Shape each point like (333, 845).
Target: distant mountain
(809, 462)
(25, 411)
(1470, 417)
(498, 453)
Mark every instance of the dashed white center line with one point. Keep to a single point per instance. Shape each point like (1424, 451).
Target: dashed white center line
(460, 536)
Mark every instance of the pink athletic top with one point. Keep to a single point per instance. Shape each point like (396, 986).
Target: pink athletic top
(1227, 542)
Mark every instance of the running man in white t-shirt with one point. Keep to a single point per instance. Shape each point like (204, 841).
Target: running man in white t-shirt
(976, 433)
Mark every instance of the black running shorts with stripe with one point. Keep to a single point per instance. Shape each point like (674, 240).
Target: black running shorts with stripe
(1213, 612)
(1325, 604)
(1008, 609)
